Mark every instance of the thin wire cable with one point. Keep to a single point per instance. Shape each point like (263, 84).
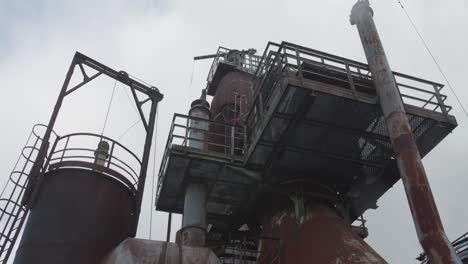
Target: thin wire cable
(154, 173)
(108, 108)
(128, 129)
(130, 100)
(190, 84)
(136, 111)
(433, 58)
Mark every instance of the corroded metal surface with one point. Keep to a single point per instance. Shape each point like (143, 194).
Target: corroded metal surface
(323, 237)
(234, 91)
(230, 105)
(140, 251)
(79, 216)
(423, 208)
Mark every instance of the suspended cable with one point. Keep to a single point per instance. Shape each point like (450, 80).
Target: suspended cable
(190, 84)
(130, 100)
(433, 58)
(128, 129)
(108, 108)
(136, 111)
(154, 172)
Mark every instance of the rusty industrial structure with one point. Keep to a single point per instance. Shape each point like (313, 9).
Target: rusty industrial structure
(79, 195)
(276, 162)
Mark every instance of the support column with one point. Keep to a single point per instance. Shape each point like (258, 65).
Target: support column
(423, 208)
(194, 219)
(193, 231)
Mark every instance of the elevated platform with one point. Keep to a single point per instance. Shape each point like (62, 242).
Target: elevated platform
(228, 60)
(220, 166)
(315, 127)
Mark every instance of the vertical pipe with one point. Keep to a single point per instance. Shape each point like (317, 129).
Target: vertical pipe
(194, 219)
(169, 223)
(423, 208)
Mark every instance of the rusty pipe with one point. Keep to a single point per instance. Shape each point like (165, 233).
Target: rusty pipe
(426, 218)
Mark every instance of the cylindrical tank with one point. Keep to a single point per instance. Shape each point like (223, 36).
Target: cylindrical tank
(79, 217)
(322, 237)
(233, 98)
(231, 104)
(199, 108)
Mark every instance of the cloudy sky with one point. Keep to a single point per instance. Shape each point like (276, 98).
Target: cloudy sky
(156, 40)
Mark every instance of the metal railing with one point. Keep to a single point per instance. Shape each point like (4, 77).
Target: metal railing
(461, 246)
(12, 212)
(241, 60)
(239, 254)
(304, 64)
(219, 140)
(78, 150)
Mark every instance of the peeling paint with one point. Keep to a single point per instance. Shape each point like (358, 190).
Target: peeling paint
(323, 237)
(140, 251)
(423, 208)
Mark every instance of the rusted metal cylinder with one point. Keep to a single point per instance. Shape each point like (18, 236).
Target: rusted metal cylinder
(423, 208)
(230, 105)
(80, 215)
(233, 98)
(323, 237)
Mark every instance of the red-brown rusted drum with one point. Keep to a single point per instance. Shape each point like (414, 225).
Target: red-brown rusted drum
(79, 216)
(323, 237)
(231, 104)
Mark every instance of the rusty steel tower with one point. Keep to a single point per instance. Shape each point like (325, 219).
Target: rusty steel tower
(296, 145)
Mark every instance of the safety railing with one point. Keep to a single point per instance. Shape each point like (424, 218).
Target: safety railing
(304, 64)
(202, 136)
(238, 254)
(461, 246)
(12, 212)
(79, 150)
(242, 60)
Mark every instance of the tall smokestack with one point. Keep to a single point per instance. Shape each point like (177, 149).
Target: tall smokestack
(423, 208)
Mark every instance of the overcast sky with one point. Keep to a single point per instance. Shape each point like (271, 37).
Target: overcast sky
(156, 41)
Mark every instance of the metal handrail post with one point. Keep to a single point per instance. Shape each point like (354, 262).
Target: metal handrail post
(440, 101)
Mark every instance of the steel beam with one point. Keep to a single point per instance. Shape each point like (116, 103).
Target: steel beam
(423, 208)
